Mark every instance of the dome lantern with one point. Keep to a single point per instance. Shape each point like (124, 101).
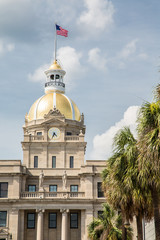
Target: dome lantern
(54, 81)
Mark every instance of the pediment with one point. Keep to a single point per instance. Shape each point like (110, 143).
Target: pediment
(54, 117)
(53, 113)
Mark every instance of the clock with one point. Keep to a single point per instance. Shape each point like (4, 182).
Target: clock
(54, 133)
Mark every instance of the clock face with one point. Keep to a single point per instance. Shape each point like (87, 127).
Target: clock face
(54, 133)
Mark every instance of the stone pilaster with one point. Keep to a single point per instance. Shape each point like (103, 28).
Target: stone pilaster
(64, 227)
(88, 220)
(40, 224)
(13, 223)
(21, 231)
(83, 225)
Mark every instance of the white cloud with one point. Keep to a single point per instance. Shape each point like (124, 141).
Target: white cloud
(6, 47)
(98, 15)
(129, 49)
(96, 59)
(143, 56)
(102, 144)
(69, 60)
(10, 47)
(39, 75)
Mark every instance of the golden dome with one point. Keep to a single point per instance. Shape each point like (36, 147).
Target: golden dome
(49, 101)
(55, 66)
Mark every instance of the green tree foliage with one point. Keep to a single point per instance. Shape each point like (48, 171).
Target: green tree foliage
(106, 227)
(149, 156)
(121, 181)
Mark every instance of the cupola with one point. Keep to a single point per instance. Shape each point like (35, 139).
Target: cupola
(54, 80)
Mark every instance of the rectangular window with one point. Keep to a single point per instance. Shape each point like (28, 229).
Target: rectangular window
(53, 161)
(52, 220)
(39, 133)
(73, 220)
(69, 134)
(35, 161)
(74, 188)
(71, 162)
(3, 190)
(31, 220)
(3, 218)
(100, 214)
(31, 188)
(53, 188)
(99, 190)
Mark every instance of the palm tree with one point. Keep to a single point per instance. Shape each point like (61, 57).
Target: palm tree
(149, 157)
(105, 227)
(120, 181)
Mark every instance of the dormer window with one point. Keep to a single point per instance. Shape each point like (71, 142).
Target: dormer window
(57, 76)
(52, 77)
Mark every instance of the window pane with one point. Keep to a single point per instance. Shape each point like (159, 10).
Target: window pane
(31, 188)
(3, 190)
(74, 220)
(53, 188)
(52, 220)
(31, 220)
(53, 161)
(35, 161)
(71, 161)
(3, 218)
(74, 188)
(69, 134)
(99, 189)
(100, 214)
(39, 133)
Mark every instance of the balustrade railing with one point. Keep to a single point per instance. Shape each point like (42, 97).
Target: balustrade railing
(72, 138)
(46, 195)
(53, 83)
(36, 137)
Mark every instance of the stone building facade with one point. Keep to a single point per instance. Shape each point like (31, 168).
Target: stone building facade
(54, 193)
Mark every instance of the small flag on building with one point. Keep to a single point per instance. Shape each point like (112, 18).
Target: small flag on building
(61, 31)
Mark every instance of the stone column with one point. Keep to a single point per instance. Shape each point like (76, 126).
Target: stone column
(64, 226)
(88, 220)
(21, 231)
(40, 224)
(14, 223)
(83, 225)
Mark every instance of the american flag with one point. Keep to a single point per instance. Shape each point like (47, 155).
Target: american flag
(61, 31)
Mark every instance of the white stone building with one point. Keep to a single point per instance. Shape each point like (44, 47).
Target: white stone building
(53, 193)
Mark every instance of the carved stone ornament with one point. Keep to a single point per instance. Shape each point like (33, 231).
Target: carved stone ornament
(64, 210)
(53, 113)
(64, 180)
(3, 231)
(82, 118)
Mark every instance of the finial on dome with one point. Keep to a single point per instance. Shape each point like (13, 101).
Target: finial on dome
(55, 66)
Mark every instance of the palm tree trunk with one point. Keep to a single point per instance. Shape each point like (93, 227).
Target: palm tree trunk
(139, 227)
(155, 197)
(124, 230)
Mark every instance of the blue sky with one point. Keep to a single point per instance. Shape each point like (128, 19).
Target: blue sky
(111, 58)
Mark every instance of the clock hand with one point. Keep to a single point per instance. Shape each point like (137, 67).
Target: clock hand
(54, 134)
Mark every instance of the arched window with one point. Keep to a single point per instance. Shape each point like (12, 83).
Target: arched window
(57, 76)
(52, 77)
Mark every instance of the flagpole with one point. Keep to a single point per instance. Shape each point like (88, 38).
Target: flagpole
(55, 44)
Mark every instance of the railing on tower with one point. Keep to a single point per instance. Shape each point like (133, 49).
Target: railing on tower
(53, 83)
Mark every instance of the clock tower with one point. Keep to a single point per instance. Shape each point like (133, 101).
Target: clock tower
(54, 127)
